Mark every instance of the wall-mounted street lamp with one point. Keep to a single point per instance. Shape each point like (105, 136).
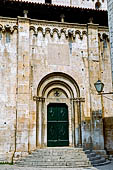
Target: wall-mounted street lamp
(99, 87)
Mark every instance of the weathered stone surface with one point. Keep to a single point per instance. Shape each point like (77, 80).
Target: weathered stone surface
(76, 3)
(56, 157)
(30, 73)
(10, 167)
(108, 131)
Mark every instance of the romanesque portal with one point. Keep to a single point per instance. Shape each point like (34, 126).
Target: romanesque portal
(58, 111)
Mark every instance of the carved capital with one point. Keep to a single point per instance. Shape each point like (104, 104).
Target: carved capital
(79, 99)
(38, 99)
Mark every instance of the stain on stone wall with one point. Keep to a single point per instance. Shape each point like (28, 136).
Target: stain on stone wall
(108, 134)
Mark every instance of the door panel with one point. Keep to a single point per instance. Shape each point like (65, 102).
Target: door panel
(62, 113)
(57, 125)
(52, 110)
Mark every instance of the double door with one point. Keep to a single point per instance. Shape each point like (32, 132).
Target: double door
(57, 125)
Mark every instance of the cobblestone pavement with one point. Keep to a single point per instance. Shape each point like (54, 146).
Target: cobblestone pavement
(11, 167)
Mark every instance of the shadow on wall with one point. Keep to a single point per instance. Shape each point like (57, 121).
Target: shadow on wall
(108, 134)
(92, 132)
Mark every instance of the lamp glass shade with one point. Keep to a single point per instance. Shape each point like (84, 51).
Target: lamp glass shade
(99, 86)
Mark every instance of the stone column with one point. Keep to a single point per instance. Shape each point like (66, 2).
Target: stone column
(22, 132)
(76, 124)
(39, 121)
(78, 120)
(39, 124)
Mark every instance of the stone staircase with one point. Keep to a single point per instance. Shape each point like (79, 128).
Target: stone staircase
(96, 159)
(56, 158)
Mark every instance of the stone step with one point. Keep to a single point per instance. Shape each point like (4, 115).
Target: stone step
(56, 157)
(96, 159)
(60, 148)
(102, 163)
(91, 155)
(59, 153)
(55, 164)
(87, 151)
(63, 156)
(56, 167)
(53, 160)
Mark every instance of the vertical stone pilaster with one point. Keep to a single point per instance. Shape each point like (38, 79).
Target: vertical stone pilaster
(94, 75)
(22, 139)
(93, 59)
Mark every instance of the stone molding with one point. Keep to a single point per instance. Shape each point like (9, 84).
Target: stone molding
(40, 99)
(67, 31)
(103, 35)
(8, 28)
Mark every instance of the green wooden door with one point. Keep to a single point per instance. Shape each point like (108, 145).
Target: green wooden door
(57, 125)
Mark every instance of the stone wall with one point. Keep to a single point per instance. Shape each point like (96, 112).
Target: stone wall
(30, 50)
(76, 3)
(108, 132)
(8, 84)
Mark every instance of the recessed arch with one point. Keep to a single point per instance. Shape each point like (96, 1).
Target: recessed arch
(58, 78)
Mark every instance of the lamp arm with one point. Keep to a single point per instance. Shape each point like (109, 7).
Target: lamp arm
(102, 93)
(108, 98)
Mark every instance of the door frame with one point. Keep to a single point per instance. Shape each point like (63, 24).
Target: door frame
(70, 120)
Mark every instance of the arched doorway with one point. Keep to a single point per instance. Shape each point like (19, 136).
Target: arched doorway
(59, 91)
(57, 125)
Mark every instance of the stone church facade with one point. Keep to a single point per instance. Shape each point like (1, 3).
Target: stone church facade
(47, 75)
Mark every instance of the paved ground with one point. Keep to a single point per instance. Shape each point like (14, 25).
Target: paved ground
(12, 167)
(106, 167)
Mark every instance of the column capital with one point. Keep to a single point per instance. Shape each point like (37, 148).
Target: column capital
(38, 99)
(78, 99)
